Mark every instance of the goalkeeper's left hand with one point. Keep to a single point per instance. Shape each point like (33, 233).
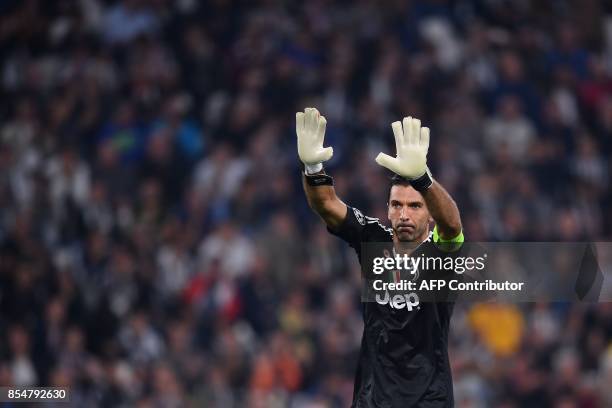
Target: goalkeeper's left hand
(411, 145)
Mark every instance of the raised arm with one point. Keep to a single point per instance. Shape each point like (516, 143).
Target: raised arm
(319, 189)
(324, 201)
(443, 210)
(412, 144)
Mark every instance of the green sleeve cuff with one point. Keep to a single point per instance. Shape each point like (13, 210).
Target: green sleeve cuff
(450, 245)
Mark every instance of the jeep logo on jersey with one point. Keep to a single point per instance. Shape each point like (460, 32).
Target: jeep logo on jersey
(408, 300)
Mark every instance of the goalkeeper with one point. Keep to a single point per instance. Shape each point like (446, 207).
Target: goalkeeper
(403, 361)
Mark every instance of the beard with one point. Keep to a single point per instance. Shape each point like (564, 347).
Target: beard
(405, 234)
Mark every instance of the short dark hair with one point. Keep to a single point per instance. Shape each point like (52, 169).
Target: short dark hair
(397, 180)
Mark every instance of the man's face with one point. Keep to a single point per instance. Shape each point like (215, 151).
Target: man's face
(408, 214)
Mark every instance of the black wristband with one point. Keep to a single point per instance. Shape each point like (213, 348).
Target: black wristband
(422, 183)
(320, 179)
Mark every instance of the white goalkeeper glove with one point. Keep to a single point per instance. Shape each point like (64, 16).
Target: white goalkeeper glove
(310, 129)
(411, 145)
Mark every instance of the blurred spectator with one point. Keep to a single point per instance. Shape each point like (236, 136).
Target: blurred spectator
(509, 131)
(23, 372)
(127, 20)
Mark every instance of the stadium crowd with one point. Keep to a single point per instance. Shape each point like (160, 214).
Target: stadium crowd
(156, 248)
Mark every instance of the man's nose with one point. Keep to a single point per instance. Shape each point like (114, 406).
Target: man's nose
(404, 214)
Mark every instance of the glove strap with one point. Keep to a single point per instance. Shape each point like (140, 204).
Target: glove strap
(321, 179)
(422, 183)
(313, 168)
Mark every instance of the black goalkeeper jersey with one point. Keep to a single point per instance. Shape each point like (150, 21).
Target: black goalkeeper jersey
(403, 361)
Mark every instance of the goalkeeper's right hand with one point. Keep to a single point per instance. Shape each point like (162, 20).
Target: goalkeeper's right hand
(310, 129)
